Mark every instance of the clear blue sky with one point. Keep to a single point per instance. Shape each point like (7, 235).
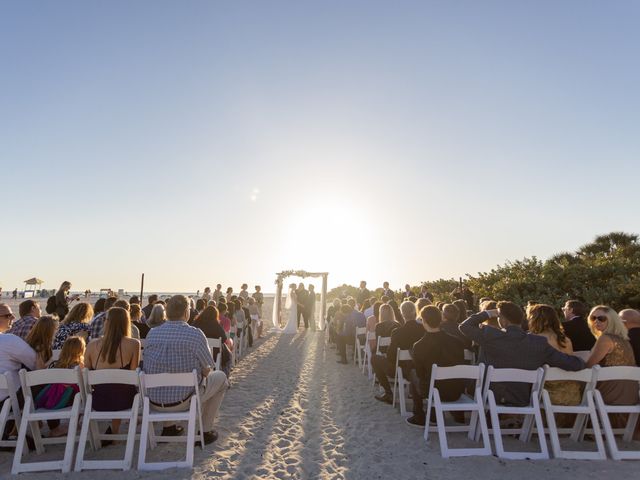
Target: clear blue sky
(211, 141)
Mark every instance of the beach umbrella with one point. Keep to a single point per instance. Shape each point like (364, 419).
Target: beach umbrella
(34, 281)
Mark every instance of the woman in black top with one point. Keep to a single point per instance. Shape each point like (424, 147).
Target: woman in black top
(208, 322)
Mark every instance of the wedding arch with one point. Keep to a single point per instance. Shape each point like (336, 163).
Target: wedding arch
(280, 277)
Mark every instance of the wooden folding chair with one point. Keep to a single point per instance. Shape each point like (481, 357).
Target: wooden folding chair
(585, 410)
(532, 410)
(10, 408)
(92, 417)
(604, 409)
(401, 383)
(193, 417)
(31, 416)
(216, 343)
(465, 403)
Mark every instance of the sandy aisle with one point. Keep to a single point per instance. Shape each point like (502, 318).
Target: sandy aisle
(292, 412)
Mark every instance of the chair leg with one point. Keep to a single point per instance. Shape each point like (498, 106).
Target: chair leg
(597, 432)
(442, 433)
(540, 427)
(606, 426)
(630, 428)
(84, 433)
(22, 438)
(191, 432)
(131, 434)
(552, 426)
(71, 435)
(144, 433)
(428, 416)
(495, 426)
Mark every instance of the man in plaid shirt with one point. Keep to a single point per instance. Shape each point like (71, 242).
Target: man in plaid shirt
(97, 324)
(29, 311)
(177, 347)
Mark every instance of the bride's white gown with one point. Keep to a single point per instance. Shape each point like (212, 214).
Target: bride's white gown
(292, 304)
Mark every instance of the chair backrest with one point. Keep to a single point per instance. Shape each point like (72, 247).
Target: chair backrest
(617, 373)
(404, 355)
(214, 342)
(514, 375)
(112, 375)
(384, 341)
(189, 379)
(471, 372)
(55, 355)
(552, 374)
(50, 375)
(361, 331)
(371, 335)
(6, 382)
(469, 355)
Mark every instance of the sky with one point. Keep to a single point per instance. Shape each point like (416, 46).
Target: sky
(206, 142)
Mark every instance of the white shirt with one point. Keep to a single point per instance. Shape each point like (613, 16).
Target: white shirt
(14, 352)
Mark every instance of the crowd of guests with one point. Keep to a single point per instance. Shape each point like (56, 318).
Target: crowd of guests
(502, 334)
(108, 334)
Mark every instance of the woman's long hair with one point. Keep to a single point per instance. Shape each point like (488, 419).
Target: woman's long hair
(543, 318)
(40, 337)
(72, 352)
(117, 326)
(80, 313)
(615, 326)
(64, 285)
(157, 316)
(208, 316)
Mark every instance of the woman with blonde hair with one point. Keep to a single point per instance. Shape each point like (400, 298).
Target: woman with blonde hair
(158, 316)
(612, 349)
(77, 322)
(40, 338)
(114, 350)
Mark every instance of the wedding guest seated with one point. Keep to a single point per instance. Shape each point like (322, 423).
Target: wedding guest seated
(29, 312)
(122, 303)
(513, 348)
(146, 311)
(386, 326)
(41, 337)
(403, 338)
(15, 354)
(254, 314)
(449, 325)
(397, 312)
(157, 316)
(612, 349)
(76, 323)
(332, 311)
(576, 327)
(208, 322)
(176, 347)
(543, 320)
(97, 323)
(631, 319)
(346, 335)
(136, 320)
(225, 322)
(434, 348)
(114, 350)
(56, 395)
(372, 322)
(420, 303)
(201, 303)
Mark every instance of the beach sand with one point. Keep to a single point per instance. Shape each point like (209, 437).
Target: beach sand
(292, 412)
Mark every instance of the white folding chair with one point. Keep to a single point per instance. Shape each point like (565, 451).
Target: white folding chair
(55, 355)
(10, 408)
(470, 356)
(366, 362)
(400, 383)
(149, 417)
(381, 342)
(532, 377)
(216, 343)
(91, 417)
(31, 416)
(357, 346)
(240, 349)
(586, 409)
(463, 404)
(604, 409)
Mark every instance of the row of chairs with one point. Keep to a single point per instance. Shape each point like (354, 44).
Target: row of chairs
(591, 415)
(29, 417)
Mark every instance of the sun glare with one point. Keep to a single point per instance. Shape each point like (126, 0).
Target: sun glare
(333, 236)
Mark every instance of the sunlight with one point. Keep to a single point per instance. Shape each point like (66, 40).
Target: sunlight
(330, 235)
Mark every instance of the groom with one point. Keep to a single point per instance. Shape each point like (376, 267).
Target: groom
(302, 295)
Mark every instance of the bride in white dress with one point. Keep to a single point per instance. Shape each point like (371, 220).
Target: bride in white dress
(292, 305)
